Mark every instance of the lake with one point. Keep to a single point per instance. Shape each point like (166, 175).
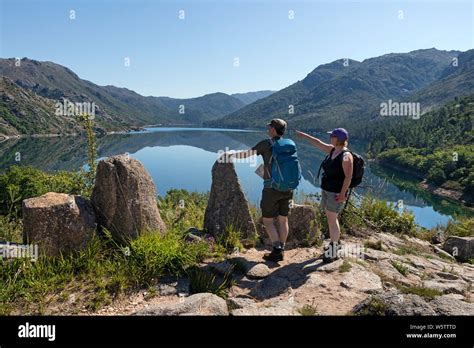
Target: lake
(183, 158)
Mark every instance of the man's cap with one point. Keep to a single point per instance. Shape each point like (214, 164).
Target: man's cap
(340, 133)
(278, 124)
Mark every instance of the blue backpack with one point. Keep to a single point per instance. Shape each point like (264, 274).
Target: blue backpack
(286, 169)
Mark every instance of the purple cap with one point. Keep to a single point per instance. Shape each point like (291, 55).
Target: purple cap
(340, 133)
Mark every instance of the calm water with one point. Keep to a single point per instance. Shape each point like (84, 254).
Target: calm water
(183, 158)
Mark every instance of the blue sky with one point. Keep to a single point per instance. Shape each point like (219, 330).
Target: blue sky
(195, 56)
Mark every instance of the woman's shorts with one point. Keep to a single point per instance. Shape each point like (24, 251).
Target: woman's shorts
(328, 202)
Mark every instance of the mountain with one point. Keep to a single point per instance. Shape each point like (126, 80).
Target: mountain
(208, 107)
(456, 80)
(250, 97)
(24, 112)
(116, 108)
(346, 92)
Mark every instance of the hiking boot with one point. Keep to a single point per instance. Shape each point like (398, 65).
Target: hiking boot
(275, 256)
(330, 252)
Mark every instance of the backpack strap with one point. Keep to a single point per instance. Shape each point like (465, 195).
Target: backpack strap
(347, 201)
(321, 165)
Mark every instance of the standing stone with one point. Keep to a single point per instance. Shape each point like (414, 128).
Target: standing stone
(302, 223)
(124, 198)
(462, 248)
(227, 204)
(58, 223)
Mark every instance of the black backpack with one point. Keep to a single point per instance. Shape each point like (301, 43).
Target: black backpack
(357, 171)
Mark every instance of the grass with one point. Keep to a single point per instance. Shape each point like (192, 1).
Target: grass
(420, 291)
(400, 267)
(308, 310)
(10, 230)
(103, 271)
(375, 306)
(240, 265)
(203, 281)
(410, 248)
(376, 245)
(345, 267)
(230, 240)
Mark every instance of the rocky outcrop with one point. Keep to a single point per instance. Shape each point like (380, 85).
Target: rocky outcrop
(273, 308)
(58, 223)
(302, 223)
(462, 248)
(198, 304)
(227, 204)
(410, 304)
(124, 198)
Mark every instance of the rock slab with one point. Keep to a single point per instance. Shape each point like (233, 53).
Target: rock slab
(198, 304)
(58, 223)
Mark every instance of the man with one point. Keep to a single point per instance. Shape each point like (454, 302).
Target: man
(274, 203)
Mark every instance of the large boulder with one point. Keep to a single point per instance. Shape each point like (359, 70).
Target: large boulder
(302, 223)
(462, 248)
(124, 198)
(58, 223)
(227, 204)
(199, 304)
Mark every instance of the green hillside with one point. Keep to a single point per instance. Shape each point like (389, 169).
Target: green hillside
(439, 146)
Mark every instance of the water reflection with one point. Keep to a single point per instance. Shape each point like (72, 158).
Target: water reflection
(182, 158)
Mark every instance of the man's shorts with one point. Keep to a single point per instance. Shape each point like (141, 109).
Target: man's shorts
(328, 202)
(275, 202)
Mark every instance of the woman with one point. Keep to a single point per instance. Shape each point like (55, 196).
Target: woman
(335, 183)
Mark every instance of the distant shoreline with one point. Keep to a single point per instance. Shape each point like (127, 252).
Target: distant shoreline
(450, 194)
(131, 130)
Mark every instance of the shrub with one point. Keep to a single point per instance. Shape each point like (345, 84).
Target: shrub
(10, 230)
(385, 217)
(461, 227)
(308, 310)
(374, 306)
(183, 209)
(400, 267)
(19, 183)
(421, 291)
(204, 281)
